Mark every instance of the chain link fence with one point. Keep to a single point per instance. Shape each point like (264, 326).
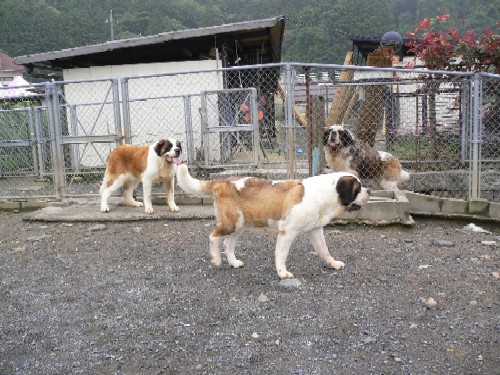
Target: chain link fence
(442, 127)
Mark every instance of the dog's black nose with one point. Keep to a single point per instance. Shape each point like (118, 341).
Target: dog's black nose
(369, 191)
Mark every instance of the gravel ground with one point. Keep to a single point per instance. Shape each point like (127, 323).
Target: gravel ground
(142, 298)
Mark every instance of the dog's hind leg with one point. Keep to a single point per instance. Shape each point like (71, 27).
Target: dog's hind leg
(283, 243)
(317, 239)
(215, 257)
(106, 192)
(226, 228)
(389, 185)
(128, 196)
(229, 245)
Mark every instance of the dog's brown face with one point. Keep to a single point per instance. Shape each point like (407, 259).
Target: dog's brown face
(351, 194)
(336, 137)
(169, 148)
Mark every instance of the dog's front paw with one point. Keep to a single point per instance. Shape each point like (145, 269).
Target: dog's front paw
(285, 275)
(104, 209)
(237, 264)
(174, 209)
(216, 261)
(335, 264)
(149, 210)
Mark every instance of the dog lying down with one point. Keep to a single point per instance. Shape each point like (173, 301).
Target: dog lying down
(289, 207)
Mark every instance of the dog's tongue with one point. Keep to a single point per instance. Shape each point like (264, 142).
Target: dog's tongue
(176, 160)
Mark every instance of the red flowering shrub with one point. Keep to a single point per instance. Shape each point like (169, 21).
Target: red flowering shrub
(436, 46)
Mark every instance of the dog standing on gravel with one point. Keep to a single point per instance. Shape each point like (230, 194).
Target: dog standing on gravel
(127, 165)
(344, 153)
(289, 207)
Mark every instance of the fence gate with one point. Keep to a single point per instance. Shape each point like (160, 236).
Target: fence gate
(230, 128)
(86, 125)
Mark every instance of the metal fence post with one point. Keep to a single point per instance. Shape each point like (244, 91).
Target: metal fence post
(476, 149)
(255, 126)
(289, 121)
(33, 142)
(40, 137)
(75, 151)
(188, 123)
(126, 111)
(465, 118)
(116, 110)
(204, 128)
(55, 140)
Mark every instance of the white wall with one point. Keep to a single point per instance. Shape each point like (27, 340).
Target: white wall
(154, 111)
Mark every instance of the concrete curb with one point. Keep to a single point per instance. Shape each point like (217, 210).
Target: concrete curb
(384, 208)
(450, 208)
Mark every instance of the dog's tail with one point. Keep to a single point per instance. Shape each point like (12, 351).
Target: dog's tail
(404, 176)
(192, 185)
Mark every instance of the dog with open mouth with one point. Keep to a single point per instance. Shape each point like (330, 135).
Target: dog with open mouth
(345, 153)
(128, 165)
(288, 207)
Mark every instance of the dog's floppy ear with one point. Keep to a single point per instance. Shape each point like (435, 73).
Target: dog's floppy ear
(348, 188)
(326, 136)
(346, 137)
(161, 147)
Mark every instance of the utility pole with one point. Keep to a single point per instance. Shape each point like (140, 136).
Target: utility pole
(111, 23)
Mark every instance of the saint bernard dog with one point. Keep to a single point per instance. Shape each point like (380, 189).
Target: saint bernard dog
(344, 153)
(288, 207)
(127, 165)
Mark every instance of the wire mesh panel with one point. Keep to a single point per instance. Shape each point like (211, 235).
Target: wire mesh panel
(490, 138)
(441, 127)
(269, 84)
(230, 127)
(423, 120)
(430, 132)
(22, 160)
(87, 118)
(168, 105)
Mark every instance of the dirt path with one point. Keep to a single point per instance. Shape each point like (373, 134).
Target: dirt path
(142, 298)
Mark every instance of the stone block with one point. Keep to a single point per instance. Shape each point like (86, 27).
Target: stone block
(455, 206)
(494, 210)
(10, 206)
(478, 206)
(422, 203)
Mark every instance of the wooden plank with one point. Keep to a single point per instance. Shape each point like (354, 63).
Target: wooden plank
(340, 108)
(371, 109)
(298, 116)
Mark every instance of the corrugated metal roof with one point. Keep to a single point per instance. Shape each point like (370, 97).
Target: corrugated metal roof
(169, 46)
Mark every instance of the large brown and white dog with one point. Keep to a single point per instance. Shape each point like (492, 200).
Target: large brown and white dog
(289, 207)
(344, 153)
(127, 165)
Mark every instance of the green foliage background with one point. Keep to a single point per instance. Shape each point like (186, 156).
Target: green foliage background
(315, 29)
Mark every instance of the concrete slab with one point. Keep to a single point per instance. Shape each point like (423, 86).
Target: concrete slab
(478, 206)
(455, 206)
(118, 213)
(424, 203)
(494, 211)
(382, 209)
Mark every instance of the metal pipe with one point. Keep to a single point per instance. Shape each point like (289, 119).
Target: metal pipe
(289, 121)
(474, 193)
(309, 122)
